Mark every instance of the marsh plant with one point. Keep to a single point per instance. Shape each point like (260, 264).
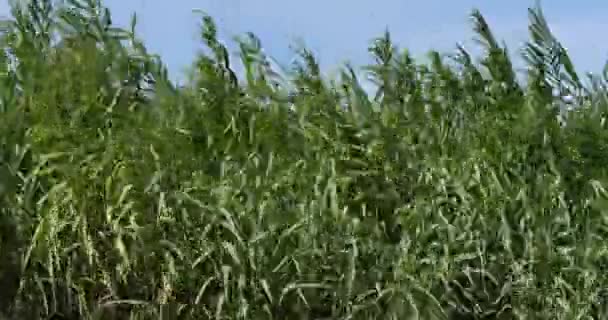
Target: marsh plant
(454, 190)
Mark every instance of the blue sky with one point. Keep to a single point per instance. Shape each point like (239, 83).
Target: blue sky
(340, 30)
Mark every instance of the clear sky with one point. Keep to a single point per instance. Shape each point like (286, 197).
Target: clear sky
(340, 30)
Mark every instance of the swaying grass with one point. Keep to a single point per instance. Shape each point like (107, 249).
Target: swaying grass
(453, 192)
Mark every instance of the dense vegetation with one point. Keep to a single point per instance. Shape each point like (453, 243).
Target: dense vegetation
(454, 191)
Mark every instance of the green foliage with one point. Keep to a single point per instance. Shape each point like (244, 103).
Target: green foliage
(453, 192)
